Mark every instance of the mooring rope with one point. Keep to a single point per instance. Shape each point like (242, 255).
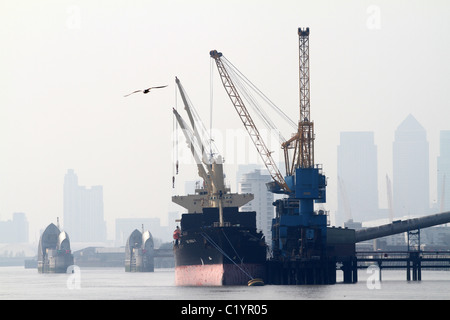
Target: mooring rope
(216, 246)
(231, 245)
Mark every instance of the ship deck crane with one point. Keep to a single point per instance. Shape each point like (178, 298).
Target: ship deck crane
(202, 172)
(210, 169)
(208, 149)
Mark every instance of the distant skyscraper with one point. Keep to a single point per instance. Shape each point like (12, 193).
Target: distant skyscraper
(443, 172)
(357, 178)
(254, 182)
(411, 169)
(83, 211)
(15, 230)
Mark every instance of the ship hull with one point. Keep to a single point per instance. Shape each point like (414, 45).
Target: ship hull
(210, 255)
(217, 274)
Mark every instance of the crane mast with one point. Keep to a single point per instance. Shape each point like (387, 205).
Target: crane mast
(248, 122)
(306, 126)
(303, 141)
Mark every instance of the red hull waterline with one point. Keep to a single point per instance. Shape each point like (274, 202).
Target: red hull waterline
(217, 274)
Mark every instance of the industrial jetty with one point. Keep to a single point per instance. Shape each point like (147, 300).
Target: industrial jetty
(218, 245)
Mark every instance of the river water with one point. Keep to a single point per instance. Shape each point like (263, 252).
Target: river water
(19, 283)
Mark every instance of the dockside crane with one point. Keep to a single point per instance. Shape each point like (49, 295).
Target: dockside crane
(248, 122)
(297, 230)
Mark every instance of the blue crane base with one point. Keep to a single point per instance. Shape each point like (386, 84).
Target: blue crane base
(297, 230)
(301, 250)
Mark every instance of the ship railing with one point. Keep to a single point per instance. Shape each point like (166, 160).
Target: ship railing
(225, 224)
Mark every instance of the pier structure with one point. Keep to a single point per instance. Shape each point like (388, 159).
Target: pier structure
(414, 259)
(413, 262)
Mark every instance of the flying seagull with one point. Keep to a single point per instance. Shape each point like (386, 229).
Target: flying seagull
(145, 90)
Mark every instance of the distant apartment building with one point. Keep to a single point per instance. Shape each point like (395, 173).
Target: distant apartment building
(357, 178)
(443, 172)
(15, 230)
(411, 195)
(83, 211)
(255, 182)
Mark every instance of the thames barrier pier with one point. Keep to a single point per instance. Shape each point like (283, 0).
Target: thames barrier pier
(54, 254)
(139, 252)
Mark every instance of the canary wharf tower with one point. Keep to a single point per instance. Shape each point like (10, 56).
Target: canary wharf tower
(411, 169)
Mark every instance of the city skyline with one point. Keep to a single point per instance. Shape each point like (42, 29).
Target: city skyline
(443, 159)
(66, 66)
(409, 185)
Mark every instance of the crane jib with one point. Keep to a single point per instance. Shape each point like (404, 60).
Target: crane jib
(247, 120)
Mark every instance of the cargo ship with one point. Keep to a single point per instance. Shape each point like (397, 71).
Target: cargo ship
(217, 244)
(207, 254)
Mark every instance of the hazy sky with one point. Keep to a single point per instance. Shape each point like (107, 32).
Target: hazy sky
(65, 66)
